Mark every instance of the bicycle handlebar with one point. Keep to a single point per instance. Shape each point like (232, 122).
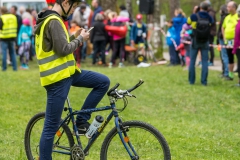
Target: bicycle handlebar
(113, 91)
(136, 86)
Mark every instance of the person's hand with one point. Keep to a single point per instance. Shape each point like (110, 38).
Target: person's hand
(144, 35)
(78, 33)
(84, 34)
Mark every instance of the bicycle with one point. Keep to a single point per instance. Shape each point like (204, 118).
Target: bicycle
(139, 140)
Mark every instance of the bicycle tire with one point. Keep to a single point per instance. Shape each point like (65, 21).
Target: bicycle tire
(28, 138)
(112, 143)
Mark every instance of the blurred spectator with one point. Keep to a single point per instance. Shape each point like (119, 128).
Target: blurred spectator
(107, 21)
(118, 43)
(34, 15)
(213, 33)
(78, 16)
(8, 34)
(99, 39)
(223, 52)
(236, 47)
(77, 53)
(228, 30)
(80, 19)
(170, 37)
(124, 12)
(13, 10)
(26, 14)
(200, 41)
(196, 9)
(97, 9)
(186, 37)
(178, 21)
(87, 13)
(138, 32)
(24, 41)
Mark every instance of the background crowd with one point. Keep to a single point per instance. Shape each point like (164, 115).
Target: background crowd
(101, 40)
(189, 37)
(121, 33)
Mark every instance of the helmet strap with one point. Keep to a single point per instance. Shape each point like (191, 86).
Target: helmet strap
(65, 16)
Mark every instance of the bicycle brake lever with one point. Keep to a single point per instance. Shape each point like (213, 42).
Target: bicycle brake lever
(131, 95)
(120, 96)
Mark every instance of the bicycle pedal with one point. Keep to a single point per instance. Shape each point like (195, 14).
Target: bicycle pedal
(125, 128)
(73, 133)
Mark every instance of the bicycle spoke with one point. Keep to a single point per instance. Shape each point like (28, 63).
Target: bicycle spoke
(142, 140)
(62, 141)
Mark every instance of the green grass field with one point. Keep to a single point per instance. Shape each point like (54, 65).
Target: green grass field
(199, 123)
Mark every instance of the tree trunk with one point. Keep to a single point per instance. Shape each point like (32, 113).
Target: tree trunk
(157, 36)
(109, 4)
(129, 6)
(174, 4)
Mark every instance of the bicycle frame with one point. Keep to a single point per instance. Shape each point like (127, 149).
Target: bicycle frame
(70, 117)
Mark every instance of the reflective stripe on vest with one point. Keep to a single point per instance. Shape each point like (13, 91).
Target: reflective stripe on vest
(9, 29)
(53, 68)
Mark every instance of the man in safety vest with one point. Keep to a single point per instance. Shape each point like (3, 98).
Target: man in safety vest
(8, 33)
(58, 71)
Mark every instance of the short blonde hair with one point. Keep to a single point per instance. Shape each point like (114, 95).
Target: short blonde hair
(4, 10)
(99, 17)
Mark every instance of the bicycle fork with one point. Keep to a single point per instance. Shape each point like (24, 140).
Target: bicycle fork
(122, 132)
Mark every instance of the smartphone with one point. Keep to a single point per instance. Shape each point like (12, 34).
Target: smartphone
(90, 29)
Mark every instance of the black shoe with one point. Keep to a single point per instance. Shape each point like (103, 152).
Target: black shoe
(82, 128)
(227, 78)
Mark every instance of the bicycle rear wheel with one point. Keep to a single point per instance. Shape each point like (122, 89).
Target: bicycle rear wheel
(63, 140)
(147, 141)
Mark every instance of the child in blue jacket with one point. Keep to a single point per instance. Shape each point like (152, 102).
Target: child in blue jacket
(24, 41)
(170, 39)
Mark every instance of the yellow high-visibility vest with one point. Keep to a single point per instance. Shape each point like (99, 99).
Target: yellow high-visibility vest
(53, 68)
(9, 29)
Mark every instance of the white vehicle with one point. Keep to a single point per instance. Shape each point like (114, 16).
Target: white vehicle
(38, 5)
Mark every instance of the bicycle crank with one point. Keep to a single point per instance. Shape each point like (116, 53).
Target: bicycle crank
(77, 153)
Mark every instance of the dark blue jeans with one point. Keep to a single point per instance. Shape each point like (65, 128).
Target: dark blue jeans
(203, 48)
(56, 96)
(8, 45)
(174, 57)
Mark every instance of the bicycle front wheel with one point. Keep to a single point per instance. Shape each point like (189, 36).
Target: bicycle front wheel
(147, 142)
(63, 140)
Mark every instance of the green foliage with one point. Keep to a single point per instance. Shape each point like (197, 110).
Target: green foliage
(199, 123)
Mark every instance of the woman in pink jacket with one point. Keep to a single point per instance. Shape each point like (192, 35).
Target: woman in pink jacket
(118, 42)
